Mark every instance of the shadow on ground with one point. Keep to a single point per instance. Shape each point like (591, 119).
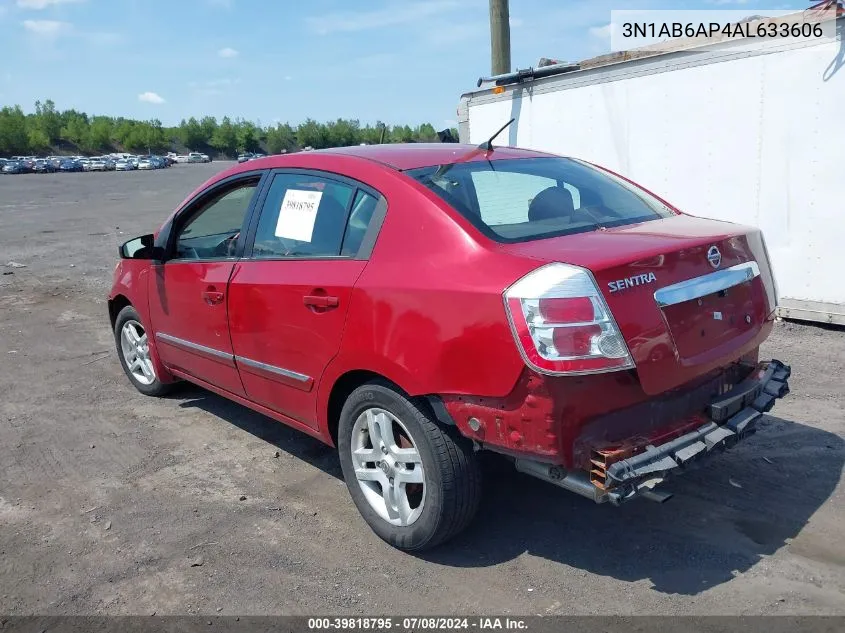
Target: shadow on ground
(283, 437)
(725, 515)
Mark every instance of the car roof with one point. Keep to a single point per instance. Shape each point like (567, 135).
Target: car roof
(404, 156)
(413, 155)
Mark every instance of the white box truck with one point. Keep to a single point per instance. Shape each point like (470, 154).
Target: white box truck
(754, 135)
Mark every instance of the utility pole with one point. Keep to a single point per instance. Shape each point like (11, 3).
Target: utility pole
(500, 37)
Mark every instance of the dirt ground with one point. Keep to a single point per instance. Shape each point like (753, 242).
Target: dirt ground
(115, 503)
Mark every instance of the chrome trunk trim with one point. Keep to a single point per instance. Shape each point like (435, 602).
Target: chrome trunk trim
(706, 284)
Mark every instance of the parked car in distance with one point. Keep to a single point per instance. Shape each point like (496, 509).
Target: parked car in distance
(242, 158)
(16, 167)
(197, 157)
(145, 164)
(71, 166)
(414, 304)
(96, 164)
(43, 167)
(124, 165)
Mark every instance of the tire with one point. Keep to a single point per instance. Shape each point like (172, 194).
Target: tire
(451, 489)
(143, 378)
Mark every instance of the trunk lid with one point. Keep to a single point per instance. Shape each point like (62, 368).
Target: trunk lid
(689, 294)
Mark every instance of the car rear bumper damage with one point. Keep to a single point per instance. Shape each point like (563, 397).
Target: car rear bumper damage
(618, 476)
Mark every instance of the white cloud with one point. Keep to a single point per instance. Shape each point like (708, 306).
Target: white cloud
(602, 32)
(227, 53)
(392, 15)
(288, 77)
(150, 97)
(47, 28)
(38, 5)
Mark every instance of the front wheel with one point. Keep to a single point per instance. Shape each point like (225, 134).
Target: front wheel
(414, 483)
(133, 350)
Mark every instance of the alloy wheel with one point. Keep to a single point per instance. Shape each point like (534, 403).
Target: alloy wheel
(136, 352)
(388, 466)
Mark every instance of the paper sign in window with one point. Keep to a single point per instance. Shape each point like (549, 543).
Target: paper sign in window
(298, 214)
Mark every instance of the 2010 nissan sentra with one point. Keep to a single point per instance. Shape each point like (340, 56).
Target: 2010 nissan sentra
(413, 304)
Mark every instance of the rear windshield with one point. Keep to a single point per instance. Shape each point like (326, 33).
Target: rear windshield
(517, 200)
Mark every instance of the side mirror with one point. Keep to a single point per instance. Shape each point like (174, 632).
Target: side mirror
(141, 248)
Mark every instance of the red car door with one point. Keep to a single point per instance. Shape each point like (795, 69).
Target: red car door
(188, 302)
(289, 295)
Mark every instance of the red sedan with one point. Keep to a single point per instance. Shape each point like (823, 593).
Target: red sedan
(414, 304)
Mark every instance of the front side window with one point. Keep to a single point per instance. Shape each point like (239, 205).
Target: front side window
(514, 200)
(306, 216)
(212, 232)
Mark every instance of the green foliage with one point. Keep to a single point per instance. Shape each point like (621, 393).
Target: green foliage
(192, 134)
(37, 140)
(13, 131)
(47, 121)
(47, 127)
(281, 138)
(225, 137)
(312, 134)
(76, 128)
(209, 126)
(249, 136)
(100, 137)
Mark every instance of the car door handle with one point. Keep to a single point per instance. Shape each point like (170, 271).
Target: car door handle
(212, 297)
(319, 301)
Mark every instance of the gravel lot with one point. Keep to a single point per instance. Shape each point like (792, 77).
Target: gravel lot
(114, 503)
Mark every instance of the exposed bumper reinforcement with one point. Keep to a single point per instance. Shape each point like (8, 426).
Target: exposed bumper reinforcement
(733, 417)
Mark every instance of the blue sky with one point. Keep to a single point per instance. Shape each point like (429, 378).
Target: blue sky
(400, 61)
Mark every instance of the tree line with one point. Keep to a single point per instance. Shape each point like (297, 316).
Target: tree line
(48, 130)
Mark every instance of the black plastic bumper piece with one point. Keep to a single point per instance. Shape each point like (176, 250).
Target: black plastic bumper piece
(733, 416)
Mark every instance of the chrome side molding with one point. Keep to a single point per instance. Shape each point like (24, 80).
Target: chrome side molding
(281, 374)
(272, 369)
(190, 346)
(706, 284)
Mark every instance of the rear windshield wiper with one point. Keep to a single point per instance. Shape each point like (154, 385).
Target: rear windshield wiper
(485, 147)
(598, 223)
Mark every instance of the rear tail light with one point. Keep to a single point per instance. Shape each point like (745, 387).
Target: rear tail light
(562, 324)
(774, 297)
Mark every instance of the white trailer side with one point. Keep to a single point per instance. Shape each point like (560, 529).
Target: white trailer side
(750, 136)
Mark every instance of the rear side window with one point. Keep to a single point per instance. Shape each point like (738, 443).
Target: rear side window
(360, 216)
(533, 198)
(311, 216)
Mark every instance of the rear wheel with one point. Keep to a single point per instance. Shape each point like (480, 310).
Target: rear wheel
(414, 483)
(133, 350)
